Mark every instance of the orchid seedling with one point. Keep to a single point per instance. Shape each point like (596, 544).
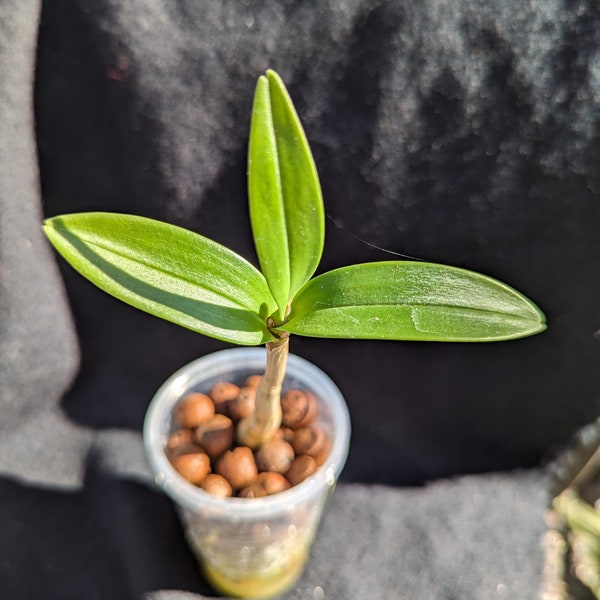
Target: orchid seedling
(190, 280)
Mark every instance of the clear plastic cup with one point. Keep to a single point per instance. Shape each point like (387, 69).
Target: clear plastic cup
(251, 548)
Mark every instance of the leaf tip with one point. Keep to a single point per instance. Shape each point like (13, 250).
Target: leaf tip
(276, 82)
(262, 80)
(538, 317)
(272, 75)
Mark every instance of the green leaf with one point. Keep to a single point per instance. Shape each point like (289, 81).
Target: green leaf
(168, 272)
(286, 206)
(412, 301)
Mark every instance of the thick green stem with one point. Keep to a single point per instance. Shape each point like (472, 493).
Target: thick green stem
(266, 419)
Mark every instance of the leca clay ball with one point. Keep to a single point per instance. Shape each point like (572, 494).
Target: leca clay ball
(302, 467)
(222, 393)
(253, 381)
(309, 440)
(217, 485)
(193, 467)
(194, 409)
(273, 483)
(238, 467)
(215, 436)
(242, 406)
(299, 408)
(275, 455)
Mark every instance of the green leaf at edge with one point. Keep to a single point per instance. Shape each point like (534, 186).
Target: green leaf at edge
(412, 301)
(286, 206)
(169, 272)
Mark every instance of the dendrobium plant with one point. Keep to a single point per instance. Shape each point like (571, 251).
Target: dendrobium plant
(197, 283)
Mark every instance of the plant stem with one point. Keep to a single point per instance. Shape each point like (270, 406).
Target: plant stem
(266, 418)
(584, 522)
(579, 514)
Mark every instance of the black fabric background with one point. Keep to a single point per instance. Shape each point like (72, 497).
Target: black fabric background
(463, 133)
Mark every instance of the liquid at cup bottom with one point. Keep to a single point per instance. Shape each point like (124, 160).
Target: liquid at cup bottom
(259, 585)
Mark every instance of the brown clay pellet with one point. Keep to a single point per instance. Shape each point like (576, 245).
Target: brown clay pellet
(275, 455)
(302, 467)
(309, 440)
(287, 434)
(217, 485)
(193, 467)
(222, 393)
(253, 381)
(194, 409)
(178, 438)
(215, 436)
(238, 467)
(242, 406)
(255, 490)
(312, 410)
(266, 484)
(185, 448)
(273, 483)
(299, 408)
(294, 405)
(321, 457)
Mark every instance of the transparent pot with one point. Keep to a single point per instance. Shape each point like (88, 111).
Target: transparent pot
(251, 548)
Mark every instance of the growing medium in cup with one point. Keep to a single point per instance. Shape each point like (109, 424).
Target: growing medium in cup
(203, 447)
